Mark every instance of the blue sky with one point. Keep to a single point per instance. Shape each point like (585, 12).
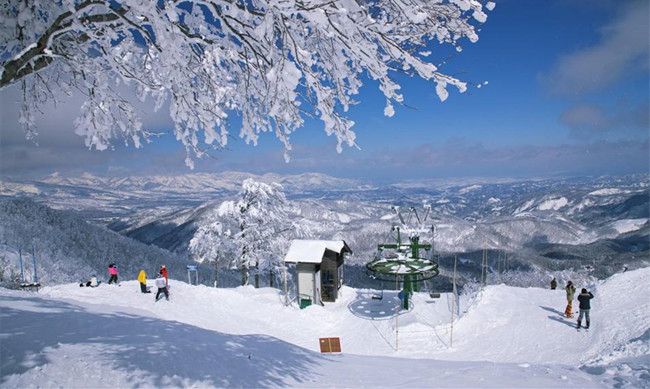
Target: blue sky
(568, 93)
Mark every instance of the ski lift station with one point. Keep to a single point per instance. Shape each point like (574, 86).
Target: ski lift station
(319, 269)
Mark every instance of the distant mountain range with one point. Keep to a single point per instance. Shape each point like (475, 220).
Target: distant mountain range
(541, 224)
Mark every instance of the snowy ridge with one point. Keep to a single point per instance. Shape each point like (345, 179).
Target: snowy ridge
(202, 182)
(507, 337)
(545, 223)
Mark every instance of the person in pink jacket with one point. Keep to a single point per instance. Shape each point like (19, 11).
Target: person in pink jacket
(112, 270)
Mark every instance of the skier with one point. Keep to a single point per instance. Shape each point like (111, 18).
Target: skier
(585, 306)
(112, 270)
(142, 278)
(163, 271)
(161, 283)
(553, 284)
(570, 292)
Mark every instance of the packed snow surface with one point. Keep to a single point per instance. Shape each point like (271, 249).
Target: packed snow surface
(110, 336)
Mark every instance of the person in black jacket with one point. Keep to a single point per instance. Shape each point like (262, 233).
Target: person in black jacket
(585, 306)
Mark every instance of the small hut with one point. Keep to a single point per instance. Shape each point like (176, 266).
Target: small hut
(319, 268)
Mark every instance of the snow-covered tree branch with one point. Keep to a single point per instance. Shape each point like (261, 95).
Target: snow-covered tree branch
(273, 62)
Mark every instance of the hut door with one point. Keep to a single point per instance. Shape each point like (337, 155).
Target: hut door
(306, 287)
(328, 284)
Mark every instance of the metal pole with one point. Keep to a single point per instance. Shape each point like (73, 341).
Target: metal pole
(396, 313)
(482, 272)
(34, 259)
(453, 304)
(286, 292)
(22, 274)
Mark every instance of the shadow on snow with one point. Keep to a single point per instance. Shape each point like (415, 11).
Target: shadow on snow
(132, 343)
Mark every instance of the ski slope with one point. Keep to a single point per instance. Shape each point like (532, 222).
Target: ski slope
(67, 336)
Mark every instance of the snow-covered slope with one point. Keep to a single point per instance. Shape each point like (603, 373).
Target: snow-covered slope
(67, 248)
(206, 337)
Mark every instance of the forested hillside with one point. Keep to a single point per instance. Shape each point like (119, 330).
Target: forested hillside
(69, 249)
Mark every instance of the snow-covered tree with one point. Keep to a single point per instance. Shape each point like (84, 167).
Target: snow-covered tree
(213, 243)
(273, 62)
(263, 227)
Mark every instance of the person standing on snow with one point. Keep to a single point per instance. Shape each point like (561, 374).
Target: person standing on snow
(570, 292)
(161, 283)
(553, 284)
(142, 278)
(163, 271)
(112, 270)
(585, 306)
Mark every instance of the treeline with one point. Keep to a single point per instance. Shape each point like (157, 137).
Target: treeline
(69, 249)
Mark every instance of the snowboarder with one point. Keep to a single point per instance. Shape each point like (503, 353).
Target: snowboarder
(585, 306)
(570, 292)
(163, 271)
(142, 278)
(161, 283)
(112, 270)
(553, 284)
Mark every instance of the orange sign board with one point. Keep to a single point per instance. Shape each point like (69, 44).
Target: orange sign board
(330, 345)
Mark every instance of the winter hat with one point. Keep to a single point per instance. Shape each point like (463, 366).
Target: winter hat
(584, 290)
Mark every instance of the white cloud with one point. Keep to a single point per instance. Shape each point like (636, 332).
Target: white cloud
(587, 119)
(623, 50)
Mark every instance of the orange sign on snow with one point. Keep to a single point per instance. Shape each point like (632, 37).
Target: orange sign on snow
(330, 345)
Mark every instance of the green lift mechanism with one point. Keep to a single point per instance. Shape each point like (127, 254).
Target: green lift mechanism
(403, 261)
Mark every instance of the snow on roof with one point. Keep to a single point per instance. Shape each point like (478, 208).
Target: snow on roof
(312, 251)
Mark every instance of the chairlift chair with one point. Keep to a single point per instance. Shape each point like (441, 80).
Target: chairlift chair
(430, 291)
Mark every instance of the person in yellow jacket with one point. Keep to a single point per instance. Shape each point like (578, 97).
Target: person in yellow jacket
(142, 278)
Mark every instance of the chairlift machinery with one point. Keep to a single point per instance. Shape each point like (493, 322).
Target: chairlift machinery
(406, 261)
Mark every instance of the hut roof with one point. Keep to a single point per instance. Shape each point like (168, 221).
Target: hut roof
(312, 251)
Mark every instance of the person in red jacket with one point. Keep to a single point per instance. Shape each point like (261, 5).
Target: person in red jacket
(163, 271)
